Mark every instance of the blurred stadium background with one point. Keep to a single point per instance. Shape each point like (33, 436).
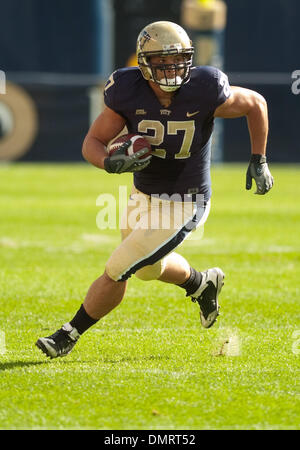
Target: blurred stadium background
(56, 55)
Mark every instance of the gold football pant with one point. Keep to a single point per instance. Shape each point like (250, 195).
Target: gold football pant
(151, 228)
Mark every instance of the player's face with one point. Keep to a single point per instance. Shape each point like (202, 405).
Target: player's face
(169, 61)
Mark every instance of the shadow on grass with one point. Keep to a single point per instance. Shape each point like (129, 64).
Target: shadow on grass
(9, 365)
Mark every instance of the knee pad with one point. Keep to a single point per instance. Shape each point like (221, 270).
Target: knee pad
(152, 272)
(114, 268)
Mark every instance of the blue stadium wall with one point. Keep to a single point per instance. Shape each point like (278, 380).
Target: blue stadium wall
(261, 53)
(60, 52)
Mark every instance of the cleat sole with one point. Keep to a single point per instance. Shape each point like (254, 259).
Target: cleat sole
(42, 347)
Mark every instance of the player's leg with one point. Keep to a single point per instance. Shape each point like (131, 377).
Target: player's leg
(104, 294)
(142, 246)
(175, 269)
(202, 287)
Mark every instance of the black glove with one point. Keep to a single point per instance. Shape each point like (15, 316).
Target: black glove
(120, 162)
(259, 170)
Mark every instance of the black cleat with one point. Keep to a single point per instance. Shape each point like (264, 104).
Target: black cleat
(60, 343)
(207, 296)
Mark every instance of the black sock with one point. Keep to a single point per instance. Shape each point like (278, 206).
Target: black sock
(193, 283)
(82, 321)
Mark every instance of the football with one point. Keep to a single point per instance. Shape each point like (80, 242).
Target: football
(137, 143)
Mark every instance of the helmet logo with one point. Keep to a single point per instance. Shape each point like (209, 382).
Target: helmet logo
(144, 38)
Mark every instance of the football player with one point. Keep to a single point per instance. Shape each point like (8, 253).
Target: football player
(174, 105)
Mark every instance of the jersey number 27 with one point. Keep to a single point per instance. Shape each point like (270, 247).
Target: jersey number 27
(188, 126)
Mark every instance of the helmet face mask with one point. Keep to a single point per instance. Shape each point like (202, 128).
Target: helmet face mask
(165, 39)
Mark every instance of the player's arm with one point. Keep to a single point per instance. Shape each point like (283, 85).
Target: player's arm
(244, 102)
(250, 104)
(105, 128)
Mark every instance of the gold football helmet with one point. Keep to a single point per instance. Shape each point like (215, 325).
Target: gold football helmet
(163, 39)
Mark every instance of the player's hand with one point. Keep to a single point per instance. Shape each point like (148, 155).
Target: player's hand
(120, 162)
(259, 170)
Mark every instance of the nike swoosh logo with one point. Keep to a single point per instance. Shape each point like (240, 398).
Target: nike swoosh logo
(192, 114)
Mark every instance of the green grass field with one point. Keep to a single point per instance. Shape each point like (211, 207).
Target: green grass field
(149, 364)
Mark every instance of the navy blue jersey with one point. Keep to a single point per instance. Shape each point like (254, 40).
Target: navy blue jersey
(179, 134)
